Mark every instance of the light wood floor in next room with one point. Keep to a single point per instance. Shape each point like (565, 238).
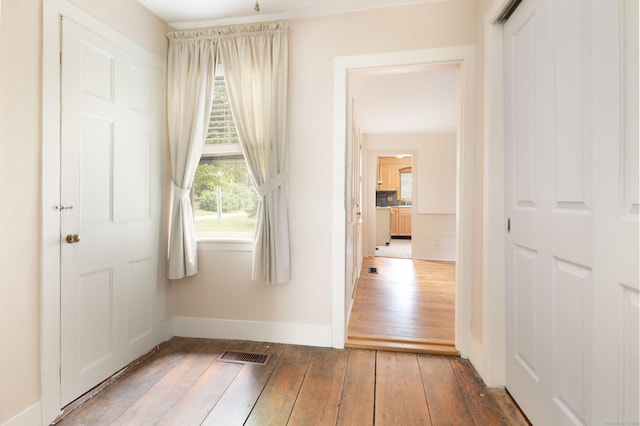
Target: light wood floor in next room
(184, 383)
(408, 305)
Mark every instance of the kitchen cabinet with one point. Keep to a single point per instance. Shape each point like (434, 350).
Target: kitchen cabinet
(387, 177)
(404, 221)
(401, 221)
(394, 221)
(389, 169)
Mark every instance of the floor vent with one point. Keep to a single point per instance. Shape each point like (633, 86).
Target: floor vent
(373, 270)
(245, 357)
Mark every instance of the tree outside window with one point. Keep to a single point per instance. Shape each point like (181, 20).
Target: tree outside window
(224, 199)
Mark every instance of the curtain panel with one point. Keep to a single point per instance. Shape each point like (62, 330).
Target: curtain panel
(255, 59)
(256, 70)
(190, 80)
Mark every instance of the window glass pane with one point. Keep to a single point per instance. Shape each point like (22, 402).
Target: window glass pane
(225, 203)
(405, 185)
(222, 129)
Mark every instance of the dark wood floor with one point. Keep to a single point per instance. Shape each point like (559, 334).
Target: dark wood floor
(184, 383)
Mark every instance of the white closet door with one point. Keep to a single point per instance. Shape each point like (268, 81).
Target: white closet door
(572, 247)
(616, 383)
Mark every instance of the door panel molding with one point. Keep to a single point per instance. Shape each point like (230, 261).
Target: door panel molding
(583, 229)
(53, 10)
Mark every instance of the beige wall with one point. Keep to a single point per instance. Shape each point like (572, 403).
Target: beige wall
(434, 213)
(20, 52)
(223, 289)
(434, 223)
(20, 177)
(130, 18)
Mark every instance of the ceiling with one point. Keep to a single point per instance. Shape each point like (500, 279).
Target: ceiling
(181, 14)
(418, 99)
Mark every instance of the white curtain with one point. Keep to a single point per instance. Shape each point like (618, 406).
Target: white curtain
(255, 60)
(190, 80)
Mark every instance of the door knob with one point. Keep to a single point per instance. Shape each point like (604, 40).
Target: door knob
(73, 238)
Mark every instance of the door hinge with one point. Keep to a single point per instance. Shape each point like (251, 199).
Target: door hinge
(508, 225)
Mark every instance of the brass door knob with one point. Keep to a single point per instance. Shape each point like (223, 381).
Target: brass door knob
(73, 238)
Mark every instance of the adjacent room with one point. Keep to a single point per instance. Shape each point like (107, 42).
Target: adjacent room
(408, 121)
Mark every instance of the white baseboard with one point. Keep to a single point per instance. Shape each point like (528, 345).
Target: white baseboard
(29, 417)
(289, 333)
(430, 255)
(476, 357)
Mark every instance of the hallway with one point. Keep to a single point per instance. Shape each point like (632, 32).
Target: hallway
(406, 305)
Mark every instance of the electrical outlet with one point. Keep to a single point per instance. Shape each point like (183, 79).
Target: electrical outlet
(436, 242)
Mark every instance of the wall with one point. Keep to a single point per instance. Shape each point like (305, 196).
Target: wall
(435, 221)
(221, 289)
(20, 187)
(437, 175)
(434, 212)
(20, 50)
(131, 19)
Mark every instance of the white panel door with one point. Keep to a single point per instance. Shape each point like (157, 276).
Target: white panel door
(530, 244)
(616, 200)
(564, 300)
(353, 202)
(109, 217)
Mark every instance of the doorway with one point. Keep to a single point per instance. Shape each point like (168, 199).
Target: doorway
(463, 59)
(394, 206)
(410, 184)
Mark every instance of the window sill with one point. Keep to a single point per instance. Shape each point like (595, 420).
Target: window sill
(225, 244)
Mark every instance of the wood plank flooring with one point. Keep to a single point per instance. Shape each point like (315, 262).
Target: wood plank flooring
(408, 305)
(183, 383)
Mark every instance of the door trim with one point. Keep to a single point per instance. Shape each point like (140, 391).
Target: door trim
(52, 12)
(464, 56)
(490, 358)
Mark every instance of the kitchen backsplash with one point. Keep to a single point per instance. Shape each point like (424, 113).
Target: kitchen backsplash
(389, 198)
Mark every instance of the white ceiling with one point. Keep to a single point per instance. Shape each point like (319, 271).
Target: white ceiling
(204, 13)
(418, 99)
(400, 100)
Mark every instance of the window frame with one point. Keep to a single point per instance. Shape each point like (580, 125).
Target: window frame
(401, 171)
(222, 242)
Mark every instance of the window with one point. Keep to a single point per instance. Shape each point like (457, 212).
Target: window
(406, 182)
(225, 203)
